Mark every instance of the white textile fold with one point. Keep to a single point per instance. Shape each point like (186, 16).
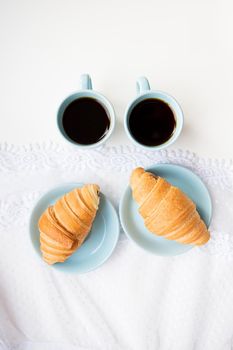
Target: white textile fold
(135, 301)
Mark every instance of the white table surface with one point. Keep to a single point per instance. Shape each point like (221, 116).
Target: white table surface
(183, 47)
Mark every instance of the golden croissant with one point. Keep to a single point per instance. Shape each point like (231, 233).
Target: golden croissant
(65, 225)
(166, 210)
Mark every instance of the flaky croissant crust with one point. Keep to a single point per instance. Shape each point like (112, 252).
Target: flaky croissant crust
(166, 210)
(65, 225)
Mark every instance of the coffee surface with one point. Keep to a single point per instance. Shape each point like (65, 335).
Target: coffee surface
(85, 121)
(152, 122)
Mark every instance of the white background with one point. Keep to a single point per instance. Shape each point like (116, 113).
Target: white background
(183, 47)
(140, 301)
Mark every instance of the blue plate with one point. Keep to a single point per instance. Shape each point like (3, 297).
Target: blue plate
(132, 222)
(98, 245)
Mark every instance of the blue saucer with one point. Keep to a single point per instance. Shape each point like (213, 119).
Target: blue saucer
(132, 222)
(100, 242)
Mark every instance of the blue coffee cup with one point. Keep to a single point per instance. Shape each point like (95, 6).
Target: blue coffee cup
(144, 92)
(86, 91)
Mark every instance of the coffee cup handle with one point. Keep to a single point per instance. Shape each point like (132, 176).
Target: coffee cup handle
(86, 83)
(142, 85)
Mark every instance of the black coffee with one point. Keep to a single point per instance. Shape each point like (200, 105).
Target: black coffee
(152, 122)
(85, 121)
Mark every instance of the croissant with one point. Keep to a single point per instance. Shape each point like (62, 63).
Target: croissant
(65, 225)
(166, 210)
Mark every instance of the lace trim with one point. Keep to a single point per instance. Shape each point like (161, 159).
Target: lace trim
(115, 158)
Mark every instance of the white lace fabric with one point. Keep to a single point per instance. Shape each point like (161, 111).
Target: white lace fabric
(135, 300)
